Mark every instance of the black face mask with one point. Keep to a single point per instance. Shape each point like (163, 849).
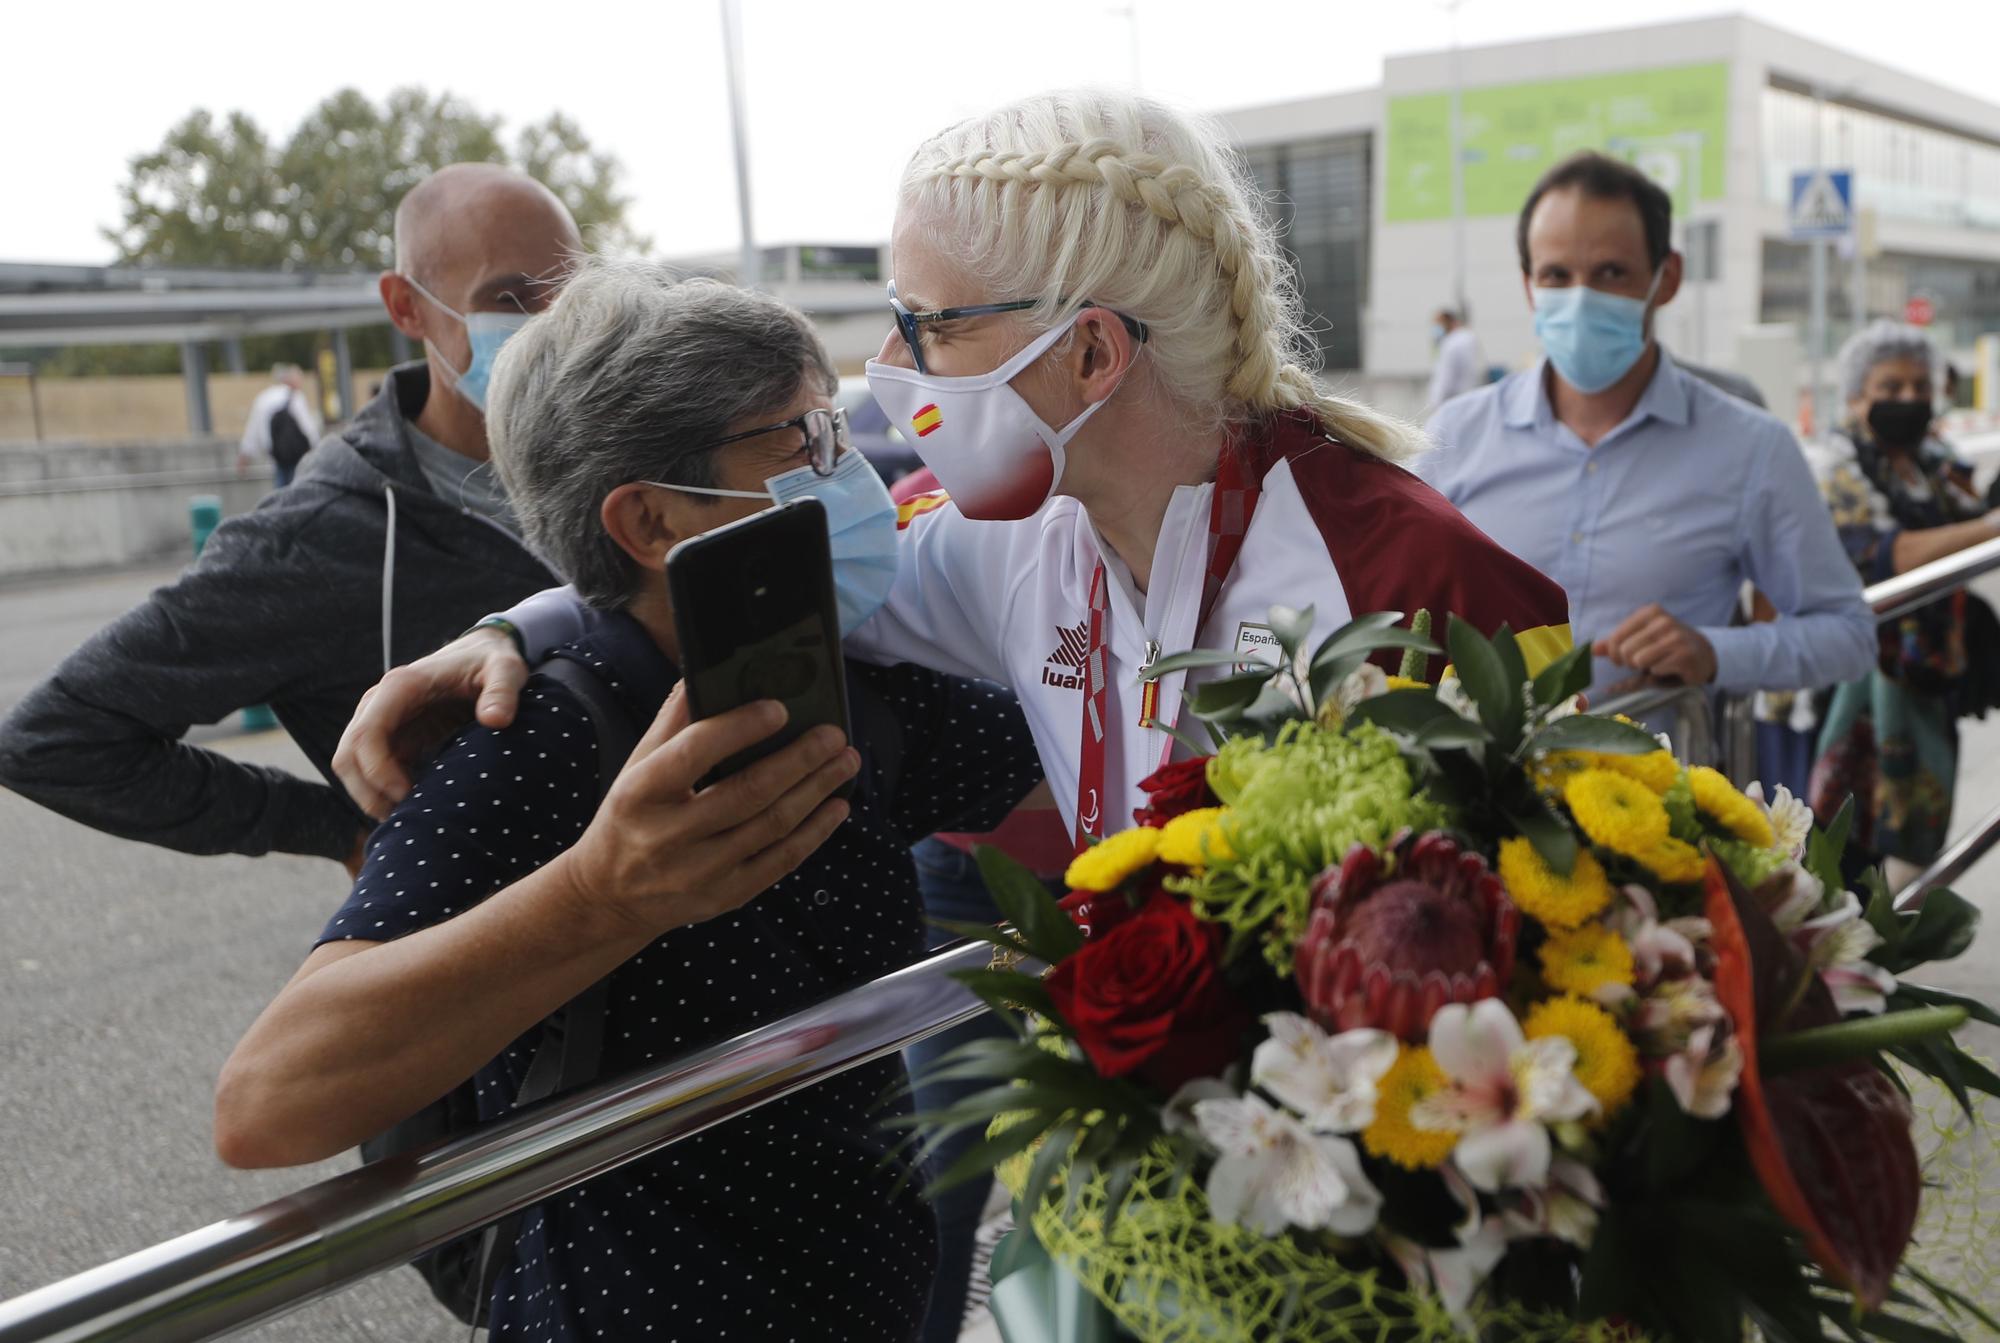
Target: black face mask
(1899, 424)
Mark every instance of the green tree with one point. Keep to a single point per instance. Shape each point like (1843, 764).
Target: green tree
(206, 197)
(220, 192)
(224, 194)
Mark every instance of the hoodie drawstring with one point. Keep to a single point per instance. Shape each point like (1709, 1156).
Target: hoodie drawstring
(388, 579)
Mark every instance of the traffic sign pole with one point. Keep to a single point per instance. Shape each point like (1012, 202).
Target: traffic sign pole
(1816, 337)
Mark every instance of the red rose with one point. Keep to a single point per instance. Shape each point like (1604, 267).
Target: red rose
(1147, 998)
(1173, 789)
(1098, 912)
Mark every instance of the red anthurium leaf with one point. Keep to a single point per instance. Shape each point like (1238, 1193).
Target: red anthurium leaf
(1831, 1145)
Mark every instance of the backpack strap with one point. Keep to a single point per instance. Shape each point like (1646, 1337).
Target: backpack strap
(572, 1043)
(877, 732)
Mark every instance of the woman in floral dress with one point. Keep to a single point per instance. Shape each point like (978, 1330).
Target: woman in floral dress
(1900, 498)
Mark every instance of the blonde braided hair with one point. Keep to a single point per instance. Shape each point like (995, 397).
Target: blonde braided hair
(1145, 210)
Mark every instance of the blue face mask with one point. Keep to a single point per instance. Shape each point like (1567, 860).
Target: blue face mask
(1593, 338)
(1437, 332)
(486, 332)
(860, 525)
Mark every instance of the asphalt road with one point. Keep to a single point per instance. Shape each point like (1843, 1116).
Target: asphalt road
(127, 972)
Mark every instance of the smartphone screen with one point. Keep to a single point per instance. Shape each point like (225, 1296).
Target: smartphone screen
(754, 609)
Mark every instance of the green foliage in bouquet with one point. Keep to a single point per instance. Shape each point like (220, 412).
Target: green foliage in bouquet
(1471, 748)
(1295, 812)
(1054, 1100)
(1550, 1036)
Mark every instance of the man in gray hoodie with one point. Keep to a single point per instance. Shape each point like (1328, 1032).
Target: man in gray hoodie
(394, 537)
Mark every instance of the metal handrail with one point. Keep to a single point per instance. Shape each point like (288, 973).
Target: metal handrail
(273, 1259)
(246, 1269)
(1924, 584)
(1954, 862)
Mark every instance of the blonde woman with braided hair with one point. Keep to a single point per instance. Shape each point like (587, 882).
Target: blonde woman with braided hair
(1100, 352)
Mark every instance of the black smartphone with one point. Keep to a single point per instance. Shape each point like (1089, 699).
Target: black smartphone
(754, 608)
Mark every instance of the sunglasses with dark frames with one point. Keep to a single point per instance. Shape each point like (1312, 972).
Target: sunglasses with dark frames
(825, 434)
(910, 324)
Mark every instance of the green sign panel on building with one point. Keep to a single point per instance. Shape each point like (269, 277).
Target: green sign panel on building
(1673, 122)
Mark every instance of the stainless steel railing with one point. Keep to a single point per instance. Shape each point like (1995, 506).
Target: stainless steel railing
(1897, 596)
(275, 1258)
(272, 1259)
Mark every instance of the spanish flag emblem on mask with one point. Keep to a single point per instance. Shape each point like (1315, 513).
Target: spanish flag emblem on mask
(927, 419)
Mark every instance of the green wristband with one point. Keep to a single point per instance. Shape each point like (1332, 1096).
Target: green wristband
(505, 625)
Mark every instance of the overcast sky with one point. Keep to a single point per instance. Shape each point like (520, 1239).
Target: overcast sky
(839, 91)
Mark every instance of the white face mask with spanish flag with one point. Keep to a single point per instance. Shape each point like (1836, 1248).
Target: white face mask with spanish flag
(993, 455)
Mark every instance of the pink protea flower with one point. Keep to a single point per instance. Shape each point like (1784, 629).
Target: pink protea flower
(1387, 950)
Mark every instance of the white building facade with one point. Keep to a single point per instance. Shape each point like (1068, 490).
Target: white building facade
(1721, 111)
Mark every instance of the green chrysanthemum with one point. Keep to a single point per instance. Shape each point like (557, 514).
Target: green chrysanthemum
(1296, 807)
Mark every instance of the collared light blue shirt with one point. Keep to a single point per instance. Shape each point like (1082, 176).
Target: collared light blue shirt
(1694, 492)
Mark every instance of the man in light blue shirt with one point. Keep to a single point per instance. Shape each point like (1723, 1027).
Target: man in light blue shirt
(1648, 494)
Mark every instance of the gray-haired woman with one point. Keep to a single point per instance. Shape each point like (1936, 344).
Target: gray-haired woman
(1901, 498)
(634, 413)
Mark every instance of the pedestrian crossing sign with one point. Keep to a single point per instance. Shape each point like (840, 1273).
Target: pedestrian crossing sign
(1822, 204)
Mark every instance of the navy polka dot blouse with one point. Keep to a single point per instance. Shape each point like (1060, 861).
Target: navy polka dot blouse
(787, 1223)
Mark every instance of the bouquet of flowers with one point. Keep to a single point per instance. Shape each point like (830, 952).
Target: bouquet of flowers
(1422, 1011)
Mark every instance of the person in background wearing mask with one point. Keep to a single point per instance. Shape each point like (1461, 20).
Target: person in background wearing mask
(1457, 369)
(282, 443)
(1647, 493)
(1901, 498)
(394, 537)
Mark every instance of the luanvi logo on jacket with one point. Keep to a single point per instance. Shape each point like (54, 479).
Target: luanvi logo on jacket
(1064, 669)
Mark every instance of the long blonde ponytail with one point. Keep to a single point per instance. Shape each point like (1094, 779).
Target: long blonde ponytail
(1147, 210)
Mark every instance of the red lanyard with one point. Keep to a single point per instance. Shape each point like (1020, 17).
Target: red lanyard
(1229, 510)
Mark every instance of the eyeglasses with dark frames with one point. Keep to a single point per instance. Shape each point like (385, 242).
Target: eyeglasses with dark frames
(911, 324)
(825, 433)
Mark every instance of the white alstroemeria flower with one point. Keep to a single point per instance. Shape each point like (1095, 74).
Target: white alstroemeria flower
(1451, 694)
(1791, 819)
(1568, 708)
(1328, 1080)
(1704, 1075)
(1505, 1089)
(1837, 944)
(1659, 950)
(1273, 1172)
(1668, 1016)
(1177, 1115)
(1364, 682)
(1806, 897)
(1567, 1209)
(1455, 1274)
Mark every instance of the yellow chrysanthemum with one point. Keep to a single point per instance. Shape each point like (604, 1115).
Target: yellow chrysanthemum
(1407, 683)
(1392, 1136)
(1607, 1062)
(1674, 862)
(1102, 866)
(1719, 799)
(1195, 838)
(1617, 812)
(1585, 959)
(1656, 769)
(1546, 895)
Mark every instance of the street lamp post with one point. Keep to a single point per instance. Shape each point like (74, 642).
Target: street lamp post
(748, 270)
(1816, 312)
(1457, 176)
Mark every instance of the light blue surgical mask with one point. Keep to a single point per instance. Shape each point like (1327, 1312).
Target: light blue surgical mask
(860, 525)
(486, 332)
(1593, 338)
